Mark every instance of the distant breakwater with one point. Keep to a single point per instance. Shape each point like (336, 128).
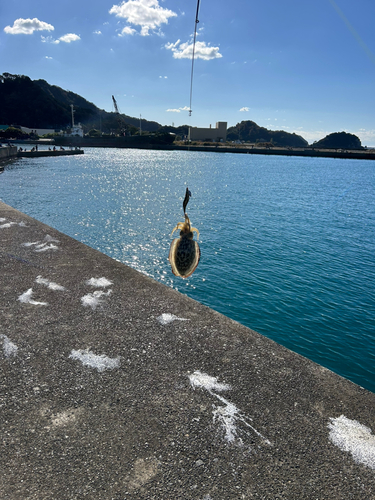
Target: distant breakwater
(43, 153)
(310, 152)
(156, 143)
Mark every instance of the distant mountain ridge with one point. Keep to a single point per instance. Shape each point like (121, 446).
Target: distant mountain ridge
(37, 104)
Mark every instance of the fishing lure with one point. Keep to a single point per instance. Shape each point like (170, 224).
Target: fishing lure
(184, 253)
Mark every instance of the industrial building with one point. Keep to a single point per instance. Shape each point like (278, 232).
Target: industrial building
(217, 134)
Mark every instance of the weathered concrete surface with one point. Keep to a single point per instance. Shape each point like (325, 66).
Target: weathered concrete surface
(131, 423)
(8, 152)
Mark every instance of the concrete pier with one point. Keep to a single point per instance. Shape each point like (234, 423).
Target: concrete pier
(7, 152)
(42, 153)
(114, 386)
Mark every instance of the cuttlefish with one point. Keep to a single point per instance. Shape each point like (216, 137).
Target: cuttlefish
(184, 253)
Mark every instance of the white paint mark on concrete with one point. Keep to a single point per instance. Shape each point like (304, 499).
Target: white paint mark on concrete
(355, 438)
(94, 299)
(50, 239)
(100, 362)
(204, 381)
(49, 284)
(227, 415)
(9, 348)
(167, 318)
(99, 282)
(7, 225)
(10, 224)
(25, 298)
(43, 247)
(30, 243)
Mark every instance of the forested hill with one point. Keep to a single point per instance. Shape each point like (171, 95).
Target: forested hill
(339, 140)
(249, 131)
(37, 104)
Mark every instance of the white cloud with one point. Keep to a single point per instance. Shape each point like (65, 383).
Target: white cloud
(178, 110)
(245, 108)
(97, 32)
(185, 50)
(48, 57)
(367, 136)
(69, 37)
(27, 27)
(147, 14)
(163, 77)
(48, 39)
(127, 31)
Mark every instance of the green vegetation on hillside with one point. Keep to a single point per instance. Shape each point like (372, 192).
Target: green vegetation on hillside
(339, 140)
(13, 133)
(37, 104)
(249, 131)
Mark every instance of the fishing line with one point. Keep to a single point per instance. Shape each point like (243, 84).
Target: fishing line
(192, 59)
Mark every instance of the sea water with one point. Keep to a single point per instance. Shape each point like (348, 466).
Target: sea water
(287, 243)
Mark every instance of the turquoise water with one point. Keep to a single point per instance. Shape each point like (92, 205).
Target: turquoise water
(288, 244)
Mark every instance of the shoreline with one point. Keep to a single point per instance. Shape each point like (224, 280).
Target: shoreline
(135, 143)
(310, 152)
(363, 154)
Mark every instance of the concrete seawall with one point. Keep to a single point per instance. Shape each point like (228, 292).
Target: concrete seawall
(114, 386)
(8, 152)
(275, 151)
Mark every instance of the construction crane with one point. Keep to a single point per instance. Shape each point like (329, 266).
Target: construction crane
(121, 122)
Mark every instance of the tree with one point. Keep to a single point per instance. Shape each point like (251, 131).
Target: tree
(13, 133)
(94, 133)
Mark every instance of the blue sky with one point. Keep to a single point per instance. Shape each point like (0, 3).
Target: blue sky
(301, 66)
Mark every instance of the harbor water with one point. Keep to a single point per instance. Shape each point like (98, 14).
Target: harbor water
(287, 243)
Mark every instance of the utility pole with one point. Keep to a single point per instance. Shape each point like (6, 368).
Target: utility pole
(72, 115)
